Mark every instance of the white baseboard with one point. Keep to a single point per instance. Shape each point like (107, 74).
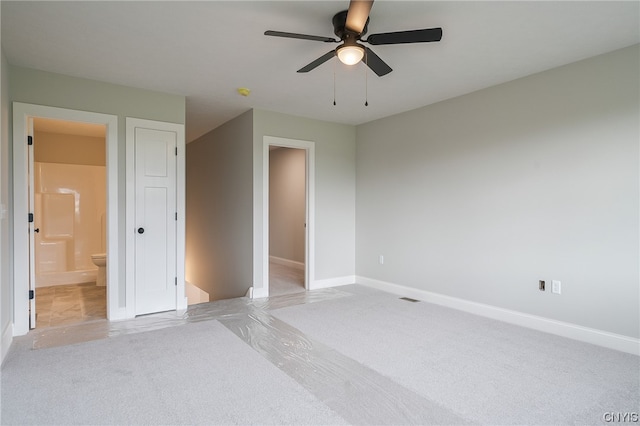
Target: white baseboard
(287, 262)
(572, 331)
(332, 282)
(259, 293)
(7, 338)
(119, 314)
(183, 304)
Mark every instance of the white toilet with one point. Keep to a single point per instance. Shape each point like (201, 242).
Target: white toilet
(100, 260)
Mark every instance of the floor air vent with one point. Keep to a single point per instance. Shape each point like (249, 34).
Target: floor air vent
(408, 299)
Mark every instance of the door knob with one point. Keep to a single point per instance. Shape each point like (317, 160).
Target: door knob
(37, 230)
(140, 230)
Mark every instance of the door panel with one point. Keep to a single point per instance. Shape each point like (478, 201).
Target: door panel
(155, 247)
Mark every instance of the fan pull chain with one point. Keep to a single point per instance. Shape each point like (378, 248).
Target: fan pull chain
(366, 80)
(334, 82)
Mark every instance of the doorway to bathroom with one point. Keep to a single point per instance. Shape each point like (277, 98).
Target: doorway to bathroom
(69, 205)
(24, 225)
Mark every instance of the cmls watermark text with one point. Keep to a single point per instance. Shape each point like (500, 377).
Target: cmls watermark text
(617, 417)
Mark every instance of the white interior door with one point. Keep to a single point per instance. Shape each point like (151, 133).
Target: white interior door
(31, 197)
(155, 218)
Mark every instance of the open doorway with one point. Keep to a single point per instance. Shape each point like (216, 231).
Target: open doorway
(24, 200)
(305, 149)
(287, 220)
(70, 205)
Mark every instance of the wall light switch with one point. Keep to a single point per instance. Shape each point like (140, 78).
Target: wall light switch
(556, 287)
(381, 259)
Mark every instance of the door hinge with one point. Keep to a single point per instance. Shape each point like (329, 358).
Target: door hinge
(176, 215)
(29, 140)
(30, 217)
(176, 281)
(31, 295)
(176, 150)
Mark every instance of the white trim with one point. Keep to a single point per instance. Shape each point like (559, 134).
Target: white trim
(119, 314)
(7, 338)
(181, 182)
(310, 191)
(286, 262)
(572, 331)
(21, 113)
(131, 124)
(258, 293)
(333, 282)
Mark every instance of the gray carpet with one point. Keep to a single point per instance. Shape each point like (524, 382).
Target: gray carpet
(198, 373)
(333, 356)
(485, 371)
(359, 394)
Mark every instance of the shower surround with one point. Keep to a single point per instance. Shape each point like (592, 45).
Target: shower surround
(70, 205)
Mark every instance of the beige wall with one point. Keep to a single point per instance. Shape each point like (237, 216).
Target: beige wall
(481, 196)
(219, 210)
(287, 204)
(69, 149)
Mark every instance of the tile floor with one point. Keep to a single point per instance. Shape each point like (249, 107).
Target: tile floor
(70, 304)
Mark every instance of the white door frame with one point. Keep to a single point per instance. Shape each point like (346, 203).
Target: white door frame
(21, 113)
(310, 191)
(131, 124)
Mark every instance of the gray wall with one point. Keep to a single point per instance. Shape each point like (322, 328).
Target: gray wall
(219, 210)
(6, 237)
(44, 88)
(287, 205)
(335, 189)
(481, 196)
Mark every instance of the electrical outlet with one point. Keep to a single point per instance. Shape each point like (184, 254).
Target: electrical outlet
(556, 287)
(381, 259)
(541, 285)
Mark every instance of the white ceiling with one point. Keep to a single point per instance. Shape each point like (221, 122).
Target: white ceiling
(205, 50)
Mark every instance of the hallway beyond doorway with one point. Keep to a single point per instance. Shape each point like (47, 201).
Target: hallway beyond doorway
(285, 279)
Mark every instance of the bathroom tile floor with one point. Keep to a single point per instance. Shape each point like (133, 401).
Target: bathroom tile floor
(70, 304)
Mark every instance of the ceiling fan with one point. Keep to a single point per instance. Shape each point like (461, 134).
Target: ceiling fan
(351, 25)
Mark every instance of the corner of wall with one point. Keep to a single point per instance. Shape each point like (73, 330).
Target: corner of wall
(219, 178)
(6, 290)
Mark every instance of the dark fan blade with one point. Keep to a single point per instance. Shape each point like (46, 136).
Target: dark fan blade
(301, 36)
(376, 64)
(321, 60)
(358, 14)
(412, 36)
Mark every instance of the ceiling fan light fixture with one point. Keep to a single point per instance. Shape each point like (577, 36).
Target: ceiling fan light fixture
(350, 54)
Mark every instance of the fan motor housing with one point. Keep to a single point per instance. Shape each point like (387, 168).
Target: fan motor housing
(339, 25)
